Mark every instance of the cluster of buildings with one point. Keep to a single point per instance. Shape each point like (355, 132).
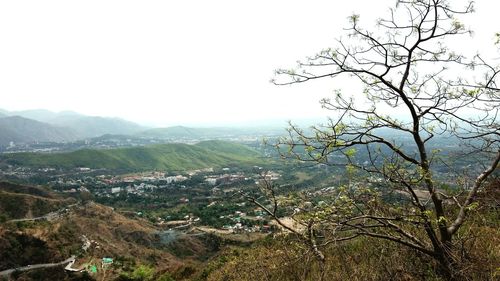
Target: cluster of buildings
(141, 189)
(240, 222)
(143, 177)
(19, 173)
(225, 179)
(75, 190)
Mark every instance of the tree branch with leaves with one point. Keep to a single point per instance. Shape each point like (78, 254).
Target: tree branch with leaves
(407, 66)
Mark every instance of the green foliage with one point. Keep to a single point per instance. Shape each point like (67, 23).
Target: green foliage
(210, 215)
(350, 170)
(350, 152)
(472, 206)
(163, 156)
(165, 277)
(143, 273)
(140, 273)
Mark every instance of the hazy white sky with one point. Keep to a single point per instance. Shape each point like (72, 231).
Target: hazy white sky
(177, 62)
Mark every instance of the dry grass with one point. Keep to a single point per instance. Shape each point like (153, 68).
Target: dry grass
(283, 258)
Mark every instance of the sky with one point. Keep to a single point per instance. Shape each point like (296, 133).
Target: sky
(190, 62)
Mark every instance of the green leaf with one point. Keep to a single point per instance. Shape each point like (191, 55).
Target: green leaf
(350, 152)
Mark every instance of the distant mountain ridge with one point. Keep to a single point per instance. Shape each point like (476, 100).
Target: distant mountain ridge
(82, 126)
(95, 126)
(78, 127)
(41, 115)
(174, 156)
(23, 130)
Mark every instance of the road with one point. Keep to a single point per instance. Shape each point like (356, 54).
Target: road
(69, 261)
(49, 217)
(35, 266)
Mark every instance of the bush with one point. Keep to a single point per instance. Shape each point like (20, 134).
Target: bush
(143, 273)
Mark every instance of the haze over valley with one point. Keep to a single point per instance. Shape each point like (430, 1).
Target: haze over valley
(46, 131)
(249, 140)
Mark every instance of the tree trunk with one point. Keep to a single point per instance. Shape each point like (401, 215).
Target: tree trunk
(448, 267)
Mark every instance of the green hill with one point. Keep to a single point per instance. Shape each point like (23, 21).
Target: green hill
(162, 156)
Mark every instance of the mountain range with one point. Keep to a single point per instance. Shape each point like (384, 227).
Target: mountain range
(33, 126)
(23, 130)
(45, 126)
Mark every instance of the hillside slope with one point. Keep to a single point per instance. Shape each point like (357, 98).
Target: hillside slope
(82, 126)
(41, 115)
(20, 202)
(131, 242)
(94, 126)
(22, 130)
(162, 156)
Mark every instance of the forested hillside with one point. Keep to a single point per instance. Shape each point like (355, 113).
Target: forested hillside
(164, 156)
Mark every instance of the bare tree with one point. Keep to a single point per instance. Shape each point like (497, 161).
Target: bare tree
(405, 67)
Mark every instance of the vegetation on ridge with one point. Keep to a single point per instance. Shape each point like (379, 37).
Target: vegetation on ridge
(163, 156)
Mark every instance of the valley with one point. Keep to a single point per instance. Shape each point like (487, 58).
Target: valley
(249, 140)
(171, 210)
